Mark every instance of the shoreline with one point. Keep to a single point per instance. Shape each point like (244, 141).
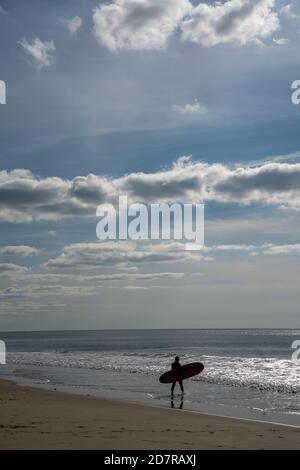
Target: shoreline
(103, 386)
(33, 418)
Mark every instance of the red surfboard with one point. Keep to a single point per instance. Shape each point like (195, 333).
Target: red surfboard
(189, 370)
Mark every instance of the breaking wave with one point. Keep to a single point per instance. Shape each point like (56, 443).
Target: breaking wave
(274, 374)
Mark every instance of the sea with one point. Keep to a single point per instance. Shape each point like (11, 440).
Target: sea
(248, 373)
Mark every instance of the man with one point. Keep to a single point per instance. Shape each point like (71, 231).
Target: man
(176, 367)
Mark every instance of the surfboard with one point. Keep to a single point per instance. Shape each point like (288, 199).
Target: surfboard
(189, 370)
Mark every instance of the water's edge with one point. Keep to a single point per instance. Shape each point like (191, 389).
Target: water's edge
(160, 401)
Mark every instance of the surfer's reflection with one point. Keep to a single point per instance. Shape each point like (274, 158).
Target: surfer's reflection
(180, 407)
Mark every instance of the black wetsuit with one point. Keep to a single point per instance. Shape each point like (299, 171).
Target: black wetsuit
(176, 366)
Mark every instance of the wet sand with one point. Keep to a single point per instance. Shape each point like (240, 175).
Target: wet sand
(37, 419)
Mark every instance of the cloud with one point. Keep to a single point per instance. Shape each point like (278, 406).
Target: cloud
(138, 24)
(289, 157)
(39, 291)
(262, 249)
(135, 288)
(93, 255)
(25, 197)
(281, 41)
(85, 258)
(178, 183)
(39, 52)
(90, 279)
(19, 250)
(288, 12)
(12, 270)
(36, 286)
(148, 24)
(232, 22)
(272, 183)
(194, 108)
(73, 25)
(229, 248)
(271, 249)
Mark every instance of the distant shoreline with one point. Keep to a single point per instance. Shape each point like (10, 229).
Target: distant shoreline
(80, 330)
(32, 418)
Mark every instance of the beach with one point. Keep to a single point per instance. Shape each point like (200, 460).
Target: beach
(247, 373)
(39, 419)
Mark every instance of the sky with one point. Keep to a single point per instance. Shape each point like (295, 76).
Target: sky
(167, 101)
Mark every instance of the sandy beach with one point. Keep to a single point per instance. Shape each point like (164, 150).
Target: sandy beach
(38, 419)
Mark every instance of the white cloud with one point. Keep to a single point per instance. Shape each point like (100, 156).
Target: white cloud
(73, 25)
(229, 248)
(93, 255)
(261, 249)
(289, 157)
(270, 183)
(148, 24)
(35, 291)
(194, 108)
(39, 52)
(138, 24)
(281, 41)
(83, 277)
(36, 286)
(135, 288)
(19, 250)
(272, 249)
(288, 12)
(12, 270)
(232, 22)
(25, 197)
(85, 258)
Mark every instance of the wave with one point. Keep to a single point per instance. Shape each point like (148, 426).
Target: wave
(280, 375)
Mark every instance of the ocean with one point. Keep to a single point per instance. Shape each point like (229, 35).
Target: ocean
(249, 373)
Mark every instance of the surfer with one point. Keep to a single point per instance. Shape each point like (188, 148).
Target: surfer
(176, 367)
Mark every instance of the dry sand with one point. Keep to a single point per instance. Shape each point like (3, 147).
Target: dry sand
(37, 419)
